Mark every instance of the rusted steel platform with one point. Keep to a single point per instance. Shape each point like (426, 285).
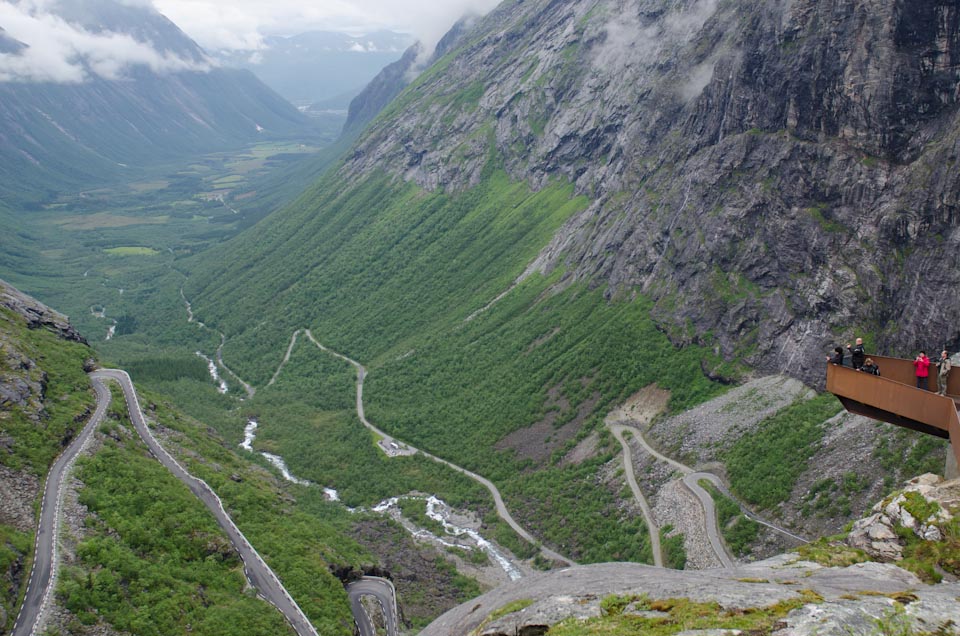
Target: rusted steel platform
(894, 398)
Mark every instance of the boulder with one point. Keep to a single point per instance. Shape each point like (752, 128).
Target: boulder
(927, 495)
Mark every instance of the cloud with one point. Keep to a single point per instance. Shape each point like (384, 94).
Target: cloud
(59, 51)
(64, 53)
(689, 22)
(630, 40)
(246, 22)
(700, 76)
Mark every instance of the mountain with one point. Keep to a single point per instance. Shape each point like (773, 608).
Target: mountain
(581, 201)
(140, 93)
(381, 90)
(771, 186)
(319, 66)
(390, 81)
(773, 190)
(135, 19)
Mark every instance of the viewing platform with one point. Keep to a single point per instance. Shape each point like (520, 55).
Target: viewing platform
(893, 397)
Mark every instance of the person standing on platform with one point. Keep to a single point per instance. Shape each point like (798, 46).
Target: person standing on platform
(869, 366)
(857, 356)
(921, 365)
(943, 371)
(837, 357)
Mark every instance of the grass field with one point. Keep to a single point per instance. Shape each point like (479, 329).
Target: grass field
(131, 250)
(101, 220)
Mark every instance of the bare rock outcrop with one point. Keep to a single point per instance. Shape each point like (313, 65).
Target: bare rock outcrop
(922, 507)
(22, 382)
(37, 314)
(18, 491)
(839, 608)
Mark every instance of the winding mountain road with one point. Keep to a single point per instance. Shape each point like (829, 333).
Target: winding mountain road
(382, 590)
(286, 357)
(722, 487)
(43, 573)
(257, 571)
(393, 446)
(690, 478)
(711, 521)
(618, 430)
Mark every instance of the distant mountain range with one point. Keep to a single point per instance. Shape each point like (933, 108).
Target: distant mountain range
(321, 66)
(143, 92)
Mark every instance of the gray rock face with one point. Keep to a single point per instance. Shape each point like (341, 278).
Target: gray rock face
(876, 534)
(381, 90)
(853, 597)
(18, 491)
(36, 313)
(395, 77)
(22, 382)
(771, 173)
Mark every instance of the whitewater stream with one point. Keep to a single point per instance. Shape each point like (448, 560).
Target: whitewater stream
(436, 509)
(222, 387)
(249, 435)
(466, 538)
(102, 314)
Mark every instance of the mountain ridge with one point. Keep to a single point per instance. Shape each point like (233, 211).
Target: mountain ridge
(318, 66)
(575, 203)
(123, 114)
(743, 172)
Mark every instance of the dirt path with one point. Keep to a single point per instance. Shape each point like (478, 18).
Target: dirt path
(286, 357)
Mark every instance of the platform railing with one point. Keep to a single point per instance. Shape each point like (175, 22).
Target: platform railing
(894, 398)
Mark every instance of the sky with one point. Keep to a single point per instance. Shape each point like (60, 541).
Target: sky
(62, 52)
(240, 24)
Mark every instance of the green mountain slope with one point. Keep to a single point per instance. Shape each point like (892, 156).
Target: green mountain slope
(99, 131)
(404, 281)
(144, 555)
(608, 199)
(45, 398)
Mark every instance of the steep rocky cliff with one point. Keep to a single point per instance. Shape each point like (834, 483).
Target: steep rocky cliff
(393, 78)
(776, 175)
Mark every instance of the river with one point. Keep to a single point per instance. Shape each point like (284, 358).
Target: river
(455, 535)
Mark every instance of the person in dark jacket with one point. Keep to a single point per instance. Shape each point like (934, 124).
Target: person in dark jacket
(869, 366)
(921, 365)
(837, 357)
(857, 354)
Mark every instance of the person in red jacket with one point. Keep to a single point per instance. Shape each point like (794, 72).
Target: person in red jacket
(922, 365)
